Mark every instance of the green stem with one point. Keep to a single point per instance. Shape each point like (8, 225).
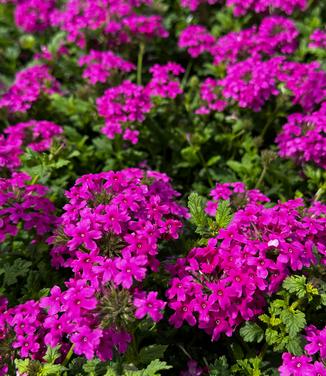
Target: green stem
(140, 62)
(261, 177)
(35, 179)
(186, 75)
(69, 355)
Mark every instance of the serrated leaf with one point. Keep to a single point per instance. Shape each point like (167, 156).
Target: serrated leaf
(271, 336)
(220, 367)
(152, 352)
(154, 367)
(19, 268)
(294, 346)
(294, 321)
(52, 370)
(296, 285)
(251, 332)
(223, 214)
(52, 354)
(196, 204)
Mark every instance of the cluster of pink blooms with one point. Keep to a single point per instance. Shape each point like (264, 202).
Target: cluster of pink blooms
(242, 7)
(117, 219)
(300, 366)
(101, 64)
(64, 317)
(108, 236)
(28, 86)
(318, 39)
(219, 286)
(37, 135)
(162, 83)
(196, 39)
(304, 365)
(117, 18)
(125, 105)
(303, 138)
(251, 82)
(236, 193)
(274, 34)
(211, 96)
(307, 83)
(34, 15)
(21, 202)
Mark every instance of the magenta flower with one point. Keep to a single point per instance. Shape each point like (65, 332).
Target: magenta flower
(149, 305)
(129, 268)
(86, 340)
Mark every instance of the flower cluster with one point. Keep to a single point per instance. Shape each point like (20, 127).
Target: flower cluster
(318, 39)
(24, 203)
(34, 15)
(300, 366)
(121, 105)
(29, 84)
(242, 7)
(306, 82)
(316, 341)
(163, 83)
(116, 18)
(236, 193)
(67, 317)
(274, 34)
(303, 138)
(101, 64)
(117, 218)
(210, 94)
(251, 82)
(196, 39)
(219, 286)
(34, 134)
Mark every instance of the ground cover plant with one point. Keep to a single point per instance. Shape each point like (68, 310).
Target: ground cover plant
(162, 187)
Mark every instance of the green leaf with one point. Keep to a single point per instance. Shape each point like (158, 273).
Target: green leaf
(220, 367)
(154, 367)
(294, 321)
(152, 352)
(52, 370)
(271, 336)
(296, 285)
(52, 354)
(196, 204)
(19, 268)
(294, 346)
(251, 332)
(22, 365)
(223, 214)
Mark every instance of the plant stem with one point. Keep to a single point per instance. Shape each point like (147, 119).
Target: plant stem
(140, 62)
(261, 177)
(69, 355)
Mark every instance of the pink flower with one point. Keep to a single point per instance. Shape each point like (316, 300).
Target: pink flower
(149, 305)
(86, 340)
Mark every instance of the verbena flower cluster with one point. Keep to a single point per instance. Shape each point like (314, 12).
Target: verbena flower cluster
(124, 106)
(29, 85)
(109, 237)
(118, 218)
(34, 134)
(101, 64)
(303, 138)
(24, 203)
(219, 286)
(34, 15)
(118, 19)
(242, 7)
